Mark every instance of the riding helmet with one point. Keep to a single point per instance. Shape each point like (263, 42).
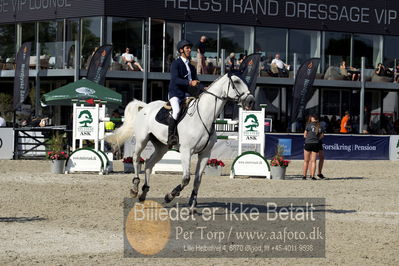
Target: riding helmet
(182, 43)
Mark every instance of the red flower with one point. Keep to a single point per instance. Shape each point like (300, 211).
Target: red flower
(215, 162)
(130, 160)
(57, 155)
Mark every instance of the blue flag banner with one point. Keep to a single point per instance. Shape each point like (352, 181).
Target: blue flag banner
(336, 147)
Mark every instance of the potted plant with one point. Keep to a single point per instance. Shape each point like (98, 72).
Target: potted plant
(214, 167)
(279, 164)
(128, 164)
(57, 155)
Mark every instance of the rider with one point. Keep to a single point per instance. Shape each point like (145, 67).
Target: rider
(183, 75)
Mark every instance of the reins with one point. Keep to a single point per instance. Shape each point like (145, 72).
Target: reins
(226, 98)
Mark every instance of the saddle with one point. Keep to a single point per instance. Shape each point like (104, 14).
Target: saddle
(166, 111)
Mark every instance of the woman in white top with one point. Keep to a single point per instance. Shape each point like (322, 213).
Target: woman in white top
(128, 59)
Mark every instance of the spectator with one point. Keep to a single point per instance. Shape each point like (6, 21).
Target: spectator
(396, 79)
(313, 134)
(381, 70)
(201, 66)
(396, 126)
(350, 73)
(2, 121)
(324, 123)
(230, 61)
(128, 59)
(345, 123)
(366, 122)
(241, 58)
(323, 126)
(332, 125)
(282, 67)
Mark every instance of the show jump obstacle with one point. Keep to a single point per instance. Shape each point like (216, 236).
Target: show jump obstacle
(88, 125)
(251, 145)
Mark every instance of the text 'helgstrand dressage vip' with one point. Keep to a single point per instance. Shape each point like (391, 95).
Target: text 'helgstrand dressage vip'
(290, 9)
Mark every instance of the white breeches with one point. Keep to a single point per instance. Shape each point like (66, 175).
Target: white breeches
(175, 103)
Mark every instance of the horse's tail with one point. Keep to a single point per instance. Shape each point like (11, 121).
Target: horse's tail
(126, 131)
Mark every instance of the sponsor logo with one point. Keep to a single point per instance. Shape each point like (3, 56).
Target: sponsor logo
(85, 91)
(251, 125)
(251, 122)
(85, 118)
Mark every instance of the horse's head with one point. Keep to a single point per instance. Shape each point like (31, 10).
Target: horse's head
(238, 91)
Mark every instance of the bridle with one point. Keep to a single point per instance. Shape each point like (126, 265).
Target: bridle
(236, 99)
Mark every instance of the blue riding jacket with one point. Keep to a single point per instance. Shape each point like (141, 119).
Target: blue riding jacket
(179, 83)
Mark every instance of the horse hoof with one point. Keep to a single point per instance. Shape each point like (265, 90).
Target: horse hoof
(142, 197)
(167, 199)
(193, 210)
(133, 193)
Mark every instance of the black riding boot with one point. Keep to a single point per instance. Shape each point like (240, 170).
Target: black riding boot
(172, 136)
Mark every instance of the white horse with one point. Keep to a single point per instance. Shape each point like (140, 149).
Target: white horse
(196, 132)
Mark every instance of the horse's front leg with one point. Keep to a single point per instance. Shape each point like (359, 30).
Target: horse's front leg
(185, 160)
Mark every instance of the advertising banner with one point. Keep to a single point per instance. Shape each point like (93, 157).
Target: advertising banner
(21, 78)
(303, 88)
(99, 64)
(336, 147)
(250, 70)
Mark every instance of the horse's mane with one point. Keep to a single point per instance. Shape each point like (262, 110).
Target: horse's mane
(204, 90)
(216, 80)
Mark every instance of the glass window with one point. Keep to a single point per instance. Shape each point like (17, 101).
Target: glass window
(194, 31)
(369, 46)
(90, 39)
(51, 34)
(7, 43)
(305, 43)
(28, 35)
(331, 102)
(237, 39)
(337, 48)
(71, 35)
(270, 41)
(156, 49)
(391, 52)
(173, 35)
(126, 33)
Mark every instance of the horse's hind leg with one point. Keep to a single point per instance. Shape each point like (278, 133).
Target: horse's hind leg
(160, 150)
(140, 145)
(185, 159)
(203, 158)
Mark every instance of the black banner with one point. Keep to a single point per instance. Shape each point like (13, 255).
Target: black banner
(250, 70)
(99, 64)
(21, 78)
(303, 88)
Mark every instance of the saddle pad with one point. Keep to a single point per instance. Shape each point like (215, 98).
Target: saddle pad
(186, 102)
(166, 111)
